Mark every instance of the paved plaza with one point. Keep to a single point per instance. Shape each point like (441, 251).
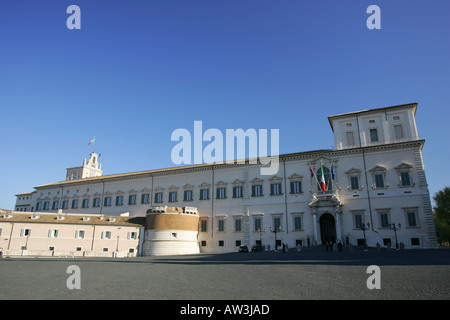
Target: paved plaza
(313, 274)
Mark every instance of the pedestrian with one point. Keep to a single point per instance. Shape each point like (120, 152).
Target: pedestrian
(340, 245)
(284, 248)
(1, 253)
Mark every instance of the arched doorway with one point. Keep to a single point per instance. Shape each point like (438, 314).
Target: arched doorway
(327, 228)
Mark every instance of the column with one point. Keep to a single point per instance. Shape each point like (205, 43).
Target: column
(338, 224)
(316, 233)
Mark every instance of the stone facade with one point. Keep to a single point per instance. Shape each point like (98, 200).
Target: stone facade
(374, 178)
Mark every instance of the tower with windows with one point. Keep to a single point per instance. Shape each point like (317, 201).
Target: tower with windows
(90, 168)
(374, 126)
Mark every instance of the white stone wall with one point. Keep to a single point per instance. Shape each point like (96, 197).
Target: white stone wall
(170, 242)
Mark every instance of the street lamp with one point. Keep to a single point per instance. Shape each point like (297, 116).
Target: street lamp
(275, 230)
(364, 227)
(395, 228)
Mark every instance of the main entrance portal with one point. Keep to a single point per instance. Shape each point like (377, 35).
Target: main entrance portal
(327, 228)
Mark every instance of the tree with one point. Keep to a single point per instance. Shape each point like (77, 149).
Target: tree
(442, 213)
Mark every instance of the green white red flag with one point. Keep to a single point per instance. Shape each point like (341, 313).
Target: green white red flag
(92, 141)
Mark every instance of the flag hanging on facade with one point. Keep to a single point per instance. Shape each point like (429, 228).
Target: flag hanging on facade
(312, 171)
(92, 141)
(322, 180)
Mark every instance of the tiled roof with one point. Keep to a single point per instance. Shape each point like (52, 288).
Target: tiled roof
(70, 218)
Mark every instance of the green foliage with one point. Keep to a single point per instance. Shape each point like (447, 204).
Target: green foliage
(442, 214)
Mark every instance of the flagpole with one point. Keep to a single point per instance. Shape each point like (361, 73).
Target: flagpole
(315, 176)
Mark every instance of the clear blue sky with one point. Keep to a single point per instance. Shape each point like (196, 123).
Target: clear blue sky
(137, 70)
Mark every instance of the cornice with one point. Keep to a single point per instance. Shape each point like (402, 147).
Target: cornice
(307, 155)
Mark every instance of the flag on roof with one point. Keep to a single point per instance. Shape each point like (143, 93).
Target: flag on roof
(92, 141)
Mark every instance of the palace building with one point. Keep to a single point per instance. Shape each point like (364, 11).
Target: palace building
(374, 179)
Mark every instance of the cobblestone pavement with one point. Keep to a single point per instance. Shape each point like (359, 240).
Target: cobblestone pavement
(406, 274)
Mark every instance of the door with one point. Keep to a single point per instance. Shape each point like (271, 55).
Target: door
(327, 228)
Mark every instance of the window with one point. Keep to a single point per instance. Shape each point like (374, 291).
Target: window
(405, 179)
(79, 234)
(354, 183)
(257, 190)
(85, 203)
(257, 224)
(119, 200)
(379, 180)
(75, 204)
(65, 204)
(132, 199)
(53, 233)
(237, 192)
(296, 187)
(204, 226)
(358, 219)
(145, 198)
(398, 131)
(373, 135)
(25, 232)
(188, 195)
(221, 225)
(378, 176)
(415, 241)
(221, 193)
(384, 219)
(297, 223)
(350, 138)
(204, 194)
(106, 235)
(276, 223)
(132, 235)
(107, 202)
(238, 225)
(221, 243)
(412, 222)
(172, 196)
(275, 189)
(158, 197)
(38, 206)
(404, 171)
(96, 202)
(55, 205)
(46, 205)
(411, 217)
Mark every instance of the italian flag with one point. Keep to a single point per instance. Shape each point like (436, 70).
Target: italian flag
(92, 141)
(322, 180)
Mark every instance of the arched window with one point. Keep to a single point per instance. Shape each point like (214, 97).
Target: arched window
(327, 176)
